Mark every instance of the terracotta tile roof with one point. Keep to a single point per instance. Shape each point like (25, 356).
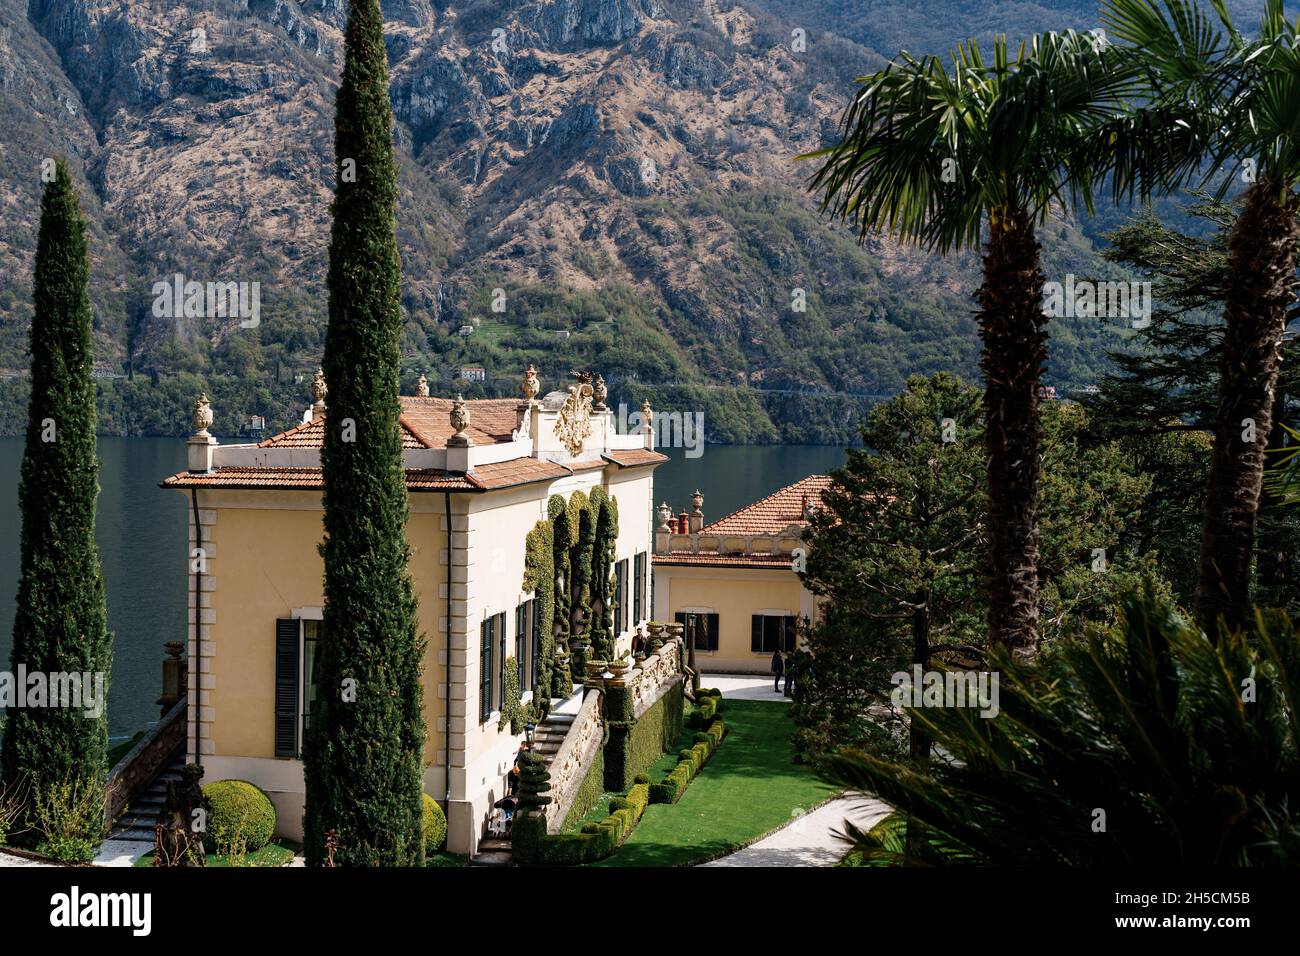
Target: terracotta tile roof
(518, 471)
(632, 457)
(587, 465)
(774, 513)
(711, 560)
(425, 424)
(491, 420)
(307, 479)
(503, 474)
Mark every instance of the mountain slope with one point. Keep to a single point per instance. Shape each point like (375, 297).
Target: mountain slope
(598, 183)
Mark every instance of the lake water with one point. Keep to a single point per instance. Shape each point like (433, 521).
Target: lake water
(141, 531)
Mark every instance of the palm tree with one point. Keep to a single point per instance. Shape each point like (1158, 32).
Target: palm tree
(1210, 93)
(984, 153)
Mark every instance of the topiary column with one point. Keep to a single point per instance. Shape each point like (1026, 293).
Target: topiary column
(363, 750)
(57, 755)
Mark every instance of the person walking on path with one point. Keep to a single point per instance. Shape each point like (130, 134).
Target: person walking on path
(778, 668)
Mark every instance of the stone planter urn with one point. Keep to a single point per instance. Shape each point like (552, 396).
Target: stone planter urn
(656, 634)
(675, 631)
(595, 668)
(618, 668)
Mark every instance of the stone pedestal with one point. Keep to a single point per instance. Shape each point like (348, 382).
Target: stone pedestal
(199, 450)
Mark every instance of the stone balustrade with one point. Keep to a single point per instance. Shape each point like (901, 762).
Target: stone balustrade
(571, 762)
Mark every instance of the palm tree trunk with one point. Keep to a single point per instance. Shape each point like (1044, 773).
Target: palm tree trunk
(1012, 329)
(1262, 262)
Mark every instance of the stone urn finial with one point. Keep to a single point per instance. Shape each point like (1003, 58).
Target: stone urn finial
(459, 421)
(530, 385)
(647, 413)
(202, 415)
(318, 391)
(422, 387)
(665, 517)
(599, 392)
(697, 502)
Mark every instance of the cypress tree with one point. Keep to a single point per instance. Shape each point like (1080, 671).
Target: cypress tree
(61, 623)
(362, 754)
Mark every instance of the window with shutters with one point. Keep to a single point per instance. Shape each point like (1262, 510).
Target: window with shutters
(500, 630)
(536, 624)
(770, 633)
(523, 631)
(638, 588)
(487, 640)
(297, 681)
(311, 635)
(620, 596)
(705, 624)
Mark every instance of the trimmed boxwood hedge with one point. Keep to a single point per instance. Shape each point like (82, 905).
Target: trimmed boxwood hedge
(531, 844)
(708, 702)
(434, 825)
(634, 745)
(239, 808)
(690, 762)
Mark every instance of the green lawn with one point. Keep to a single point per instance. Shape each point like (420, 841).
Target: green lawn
(750, 787)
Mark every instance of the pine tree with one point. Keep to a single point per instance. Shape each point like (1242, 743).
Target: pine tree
(61, 623)
(362, 754)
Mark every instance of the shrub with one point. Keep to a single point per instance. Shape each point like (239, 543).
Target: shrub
(689, 763)
(1152, 715)
(69, 817)
(595, 841)
(243, 817)
(434, 825)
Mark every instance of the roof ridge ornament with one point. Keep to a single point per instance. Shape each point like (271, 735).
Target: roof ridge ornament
(530, 385)
(422, 387)
(318, 391)
(202, 415)
(459, 418)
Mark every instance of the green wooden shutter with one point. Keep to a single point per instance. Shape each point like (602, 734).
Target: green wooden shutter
(286, 687)
(485, 670)
(711, 631)
(756, 633)
(499, 621)
(536, 625)
(638, 587)
(791, 633)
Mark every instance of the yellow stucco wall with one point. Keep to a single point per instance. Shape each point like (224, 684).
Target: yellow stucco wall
(735, 595)
(262, 565)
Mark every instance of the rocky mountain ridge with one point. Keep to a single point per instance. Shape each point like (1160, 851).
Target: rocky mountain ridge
(608, 182)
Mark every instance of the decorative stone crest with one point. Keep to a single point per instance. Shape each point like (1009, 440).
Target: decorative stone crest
(459, 421)
(422, 387)
(599, 393)
(202, 417)
(573, 424)
(530, 385)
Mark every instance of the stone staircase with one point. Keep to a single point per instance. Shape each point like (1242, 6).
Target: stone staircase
(547, 738)
(136, 824)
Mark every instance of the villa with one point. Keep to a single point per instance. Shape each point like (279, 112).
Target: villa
(738, 576)
(480, 475)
